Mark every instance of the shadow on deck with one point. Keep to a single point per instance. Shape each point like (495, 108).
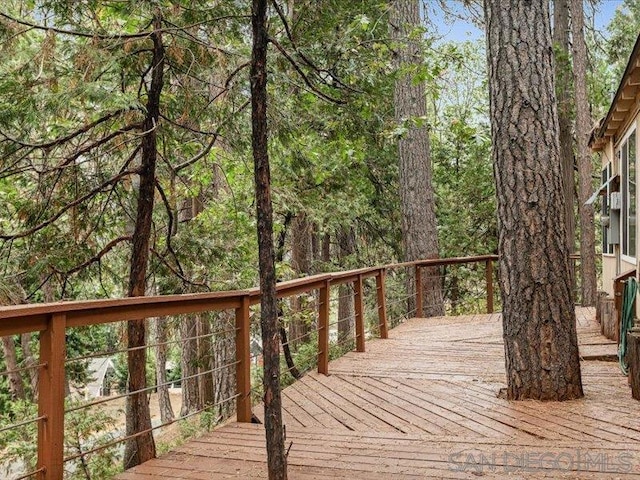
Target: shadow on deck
(423, 404)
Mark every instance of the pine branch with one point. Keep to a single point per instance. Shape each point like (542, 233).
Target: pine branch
(98, 256)
(66, 138)
(118, 36)
(167, 205)
(304, 77)
(88, 148)
(182, 277)
(304, 58)
(66, 208)
(210, 145)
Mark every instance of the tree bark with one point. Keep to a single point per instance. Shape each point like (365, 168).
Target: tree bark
(224, 354)
(189, 364)
(346, 310)
(164, 400)
(326, 248)
(16, 384)
(539, 324)
(585, 168)
(205, 361)
(29, 361)
(301, 257)
(564, 86)
(419, 233)
(274, 429)
(142, 447)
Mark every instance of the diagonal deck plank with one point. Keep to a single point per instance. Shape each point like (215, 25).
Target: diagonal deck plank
(423, 404)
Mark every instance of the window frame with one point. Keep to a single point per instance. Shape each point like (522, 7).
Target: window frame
(628, 252)
(607, 174)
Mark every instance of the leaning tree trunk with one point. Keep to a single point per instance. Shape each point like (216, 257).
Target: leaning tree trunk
(585, 168)
(419, 233)
(539, 322)
(274, 428)
(142, 447)
(563, 91)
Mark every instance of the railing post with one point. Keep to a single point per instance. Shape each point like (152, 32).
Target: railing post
(418, 291)
(323, 330)
(243, 359)
(51, 398)
(489, 277)
(382, 303)
(359, 309)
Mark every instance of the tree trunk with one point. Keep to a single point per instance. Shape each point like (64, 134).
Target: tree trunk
(326, 248)
(301, 256)
(346, 310)
(274, 429)
(205, 361)
(563, 91)
(419, 233)
(30, 361)
(164, 400)
(16, 384)
(224, 355)
(539, 323)
(585, 168)
(142, 447)
(189, 364)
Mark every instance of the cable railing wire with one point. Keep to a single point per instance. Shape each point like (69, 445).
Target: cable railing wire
(151, 345)
(148, 430)
(30, 474)
(14, 426)
(147, 389)
(22, 369)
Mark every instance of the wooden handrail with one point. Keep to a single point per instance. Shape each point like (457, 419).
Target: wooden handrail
(53, 319)
(618, 288)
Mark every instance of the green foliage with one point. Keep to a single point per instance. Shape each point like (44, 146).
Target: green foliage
(461, 153)
(85, 430)
(18, 444)
(623, 30)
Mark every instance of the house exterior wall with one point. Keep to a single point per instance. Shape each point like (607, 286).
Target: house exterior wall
(616, 263)
(608, 273)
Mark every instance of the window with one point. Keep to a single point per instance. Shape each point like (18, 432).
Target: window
(607, 248)
(627, 154)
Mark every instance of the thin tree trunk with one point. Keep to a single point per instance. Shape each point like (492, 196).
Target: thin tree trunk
(189, 364)
(29, 362)
(326, 248)
(419, 233)
(284, 338)
(142, 447)
(301, 256)
(16, 384)
(346, 311)
(274, 428)
(205, 361)
(164, 399)
(564, 86)
(539, 323)
(585, 168)
(224, 354)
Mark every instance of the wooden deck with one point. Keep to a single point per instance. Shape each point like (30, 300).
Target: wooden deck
(424, 404)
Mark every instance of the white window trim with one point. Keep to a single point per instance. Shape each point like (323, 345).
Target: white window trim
(628, 133)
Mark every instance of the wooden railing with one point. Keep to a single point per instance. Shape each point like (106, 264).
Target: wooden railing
(52, 321)
(618, 294)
